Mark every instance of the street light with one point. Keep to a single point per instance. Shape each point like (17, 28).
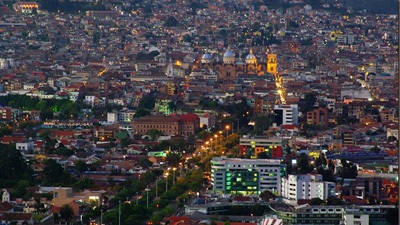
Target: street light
(166, 183)
(173, 181)
(227, 128)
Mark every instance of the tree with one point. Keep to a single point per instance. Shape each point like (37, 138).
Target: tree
(267, 196)
(141, 112)
(66, 213)
(316, 201)
(307, 103)
(348, 170)
(81, 166)
(262, 123)
(13, 168)
(333, 200)
(64, 151)
(84, 183)
(145, 163)
(54, 174)
(154, 134)
(303, 166)
(391, 138)
(173, 159)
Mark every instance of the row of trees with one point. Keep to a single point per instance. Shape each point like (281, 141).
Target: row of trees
(16, 173)
(132, 213)
(48, 107)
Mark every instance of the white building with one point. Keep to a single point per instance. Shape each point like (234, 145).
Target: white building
(24, 146)
(112, 117)
(90, 99)
(246, 176)
(355, 219)
(5, 196)
(126, 116)
(308, 186)
(286, 114)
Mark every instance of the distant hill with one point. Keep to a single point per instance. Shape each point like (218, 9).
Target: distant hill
(374, 6)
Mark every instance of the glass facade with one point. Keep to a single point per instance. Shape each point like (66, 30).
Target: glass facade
(242, 182)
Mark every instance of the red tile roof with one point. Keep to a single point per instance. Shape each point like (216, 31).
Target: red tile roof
(16, 216)
(189, 117)
(5, 206)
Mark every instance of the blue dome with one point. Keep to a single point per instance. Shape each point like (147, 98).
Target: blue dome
(207, 56)
(228, 53)
(250, 56)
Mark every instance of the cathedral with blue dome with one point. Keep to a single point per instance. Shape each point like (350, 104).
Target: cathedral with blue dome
(232, 67)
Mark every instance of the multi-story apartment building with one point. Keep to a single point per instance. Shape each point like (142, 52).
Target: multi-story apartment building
(318, 117)
(246, 176)
(9, 114)
(308, 186)
(286, 114)
(183, 125)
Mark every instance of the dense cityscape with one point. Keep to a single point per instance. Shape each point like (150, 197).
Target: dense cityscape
(198, 112)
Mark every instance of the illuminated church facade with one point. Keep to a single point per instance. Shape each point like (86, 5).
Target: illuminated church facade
(230, 69)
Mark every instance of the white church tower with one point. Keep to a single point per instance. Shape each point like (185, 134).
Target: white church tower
(6, 196)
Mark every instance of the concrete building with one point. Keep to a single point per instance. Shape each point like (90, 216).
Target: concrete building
(24, 146)
(184, 125)
(246, 176)
(309, 186)
(318, 117)
(286, 114)
(356, 219)
(253, 146)
(112, 117)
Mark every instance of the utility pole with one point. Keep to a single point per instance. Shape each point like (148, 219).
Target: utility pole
(147, 198)
(157, 188)
(173, 179)
(119, 213)
(166, 184)
(101, 216)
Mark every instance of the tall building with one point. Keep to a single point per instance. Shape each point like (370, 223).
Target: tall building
(318, 117)
(308, 186)
(272, 64)
(246, 176)
(286, 114)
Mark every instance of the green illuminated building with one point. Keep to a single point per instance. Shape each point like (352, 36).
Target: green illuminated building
(246, 176)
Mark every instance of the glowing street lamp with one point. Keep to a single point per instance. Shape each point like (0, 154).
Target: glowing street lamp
(227, 128)
(173, 178)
